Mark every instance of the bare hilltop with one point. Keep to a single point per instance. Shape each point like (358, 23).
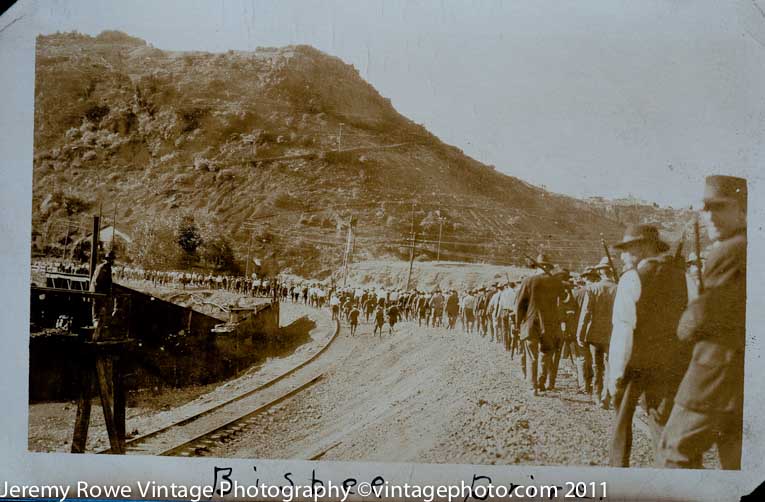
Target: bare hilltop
(276, 150)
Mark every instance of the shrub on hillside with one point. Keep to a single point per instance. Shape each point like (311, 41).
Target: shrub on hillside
(218, 254)
(96, 112)
(334, 157)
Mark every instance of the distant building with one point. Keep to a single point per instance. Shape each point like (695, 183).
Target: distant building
(106, 233)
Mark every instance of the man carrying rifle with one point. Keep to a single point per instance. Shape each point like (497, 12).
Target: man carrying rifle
(709, 404)
(593, 332)
(537, 318)
(645, 357)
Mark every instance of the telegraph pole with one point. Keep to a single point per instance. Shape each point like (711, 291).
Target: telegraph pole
(249, 247)
(411, 255)
(348, 250)
(440, 229)
(94, 244)
(66, 239)
(114, 225)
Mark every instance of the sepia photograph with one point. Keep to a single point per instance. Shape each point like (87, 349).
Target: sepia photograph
(480, 233)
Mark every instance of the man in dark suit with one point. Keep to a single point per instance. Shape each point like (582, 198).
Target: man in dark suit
(645, 357)
(710, 401)
(538, 320)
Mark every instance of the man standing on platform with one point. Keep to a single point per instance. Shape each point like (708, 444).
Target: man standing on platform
(709, 405)
(103, 306)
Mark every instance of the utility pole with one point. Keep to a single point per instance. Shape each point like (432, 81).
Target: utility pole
(440, 229)
(94, 245)
(114, 225)
(348, 250)
(249, 247)
(411, 255)
(66, 239)
(97, 238)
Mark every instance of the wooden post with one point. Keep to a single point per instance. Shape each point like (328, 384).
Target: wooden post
(411, 255)
(348, 250)
(411, 262)
(66, 240)
(82, 420)
(247, 263)
(94, 245)
(120, 401)
(440, 228)
(105, 375)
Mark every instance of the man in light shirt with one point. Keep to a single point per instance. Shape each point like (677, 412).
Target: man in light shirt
(645, 356)
(504, 311)
(493, 313)
(468, 310)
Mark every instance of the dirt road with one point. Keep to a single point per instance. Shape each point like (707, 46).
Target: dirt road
(437, 396)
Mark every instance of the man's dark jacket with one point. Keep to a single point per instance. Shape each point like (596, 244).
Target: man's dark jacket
(716, 323)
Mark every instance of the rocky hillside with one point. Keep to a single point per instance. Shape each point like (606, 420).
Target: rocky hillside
(287, 145)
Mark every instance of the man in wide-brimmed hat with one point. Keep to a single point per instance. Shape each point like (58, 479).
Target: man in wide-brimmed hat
(538, 320)
(645, 356)
(542, 264)
(593, 331)
(709, 403)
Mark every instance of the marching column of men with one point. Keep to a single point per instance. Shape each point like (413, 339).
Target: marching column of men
(665, 337)
(660, 336)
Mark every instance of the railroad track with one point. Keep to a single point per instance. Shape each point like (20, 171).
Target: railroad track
(194, 435)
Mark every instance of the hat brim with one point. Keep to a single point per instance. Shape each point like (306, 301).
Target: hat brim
(660, 245)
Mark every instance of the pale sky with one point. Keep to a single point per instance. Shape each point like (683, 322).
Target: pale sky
(584, 97)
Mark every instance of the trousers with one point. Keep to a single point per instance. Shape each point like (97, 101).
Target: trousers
(688, 434)
(651, 385)
(594, 368)
(530, 359)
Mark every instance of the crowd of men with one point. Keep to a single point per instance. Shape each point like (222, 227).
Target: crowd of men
(669, 334)
(665, 332)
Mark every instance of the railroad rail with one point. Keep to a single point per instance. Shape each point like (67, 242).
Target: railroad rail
(193, 435)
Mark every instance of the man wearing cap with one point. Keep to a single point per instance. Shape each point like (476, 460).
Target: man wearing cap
(709, 403)
(645, 356)
(537, 319)
(593, 331)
